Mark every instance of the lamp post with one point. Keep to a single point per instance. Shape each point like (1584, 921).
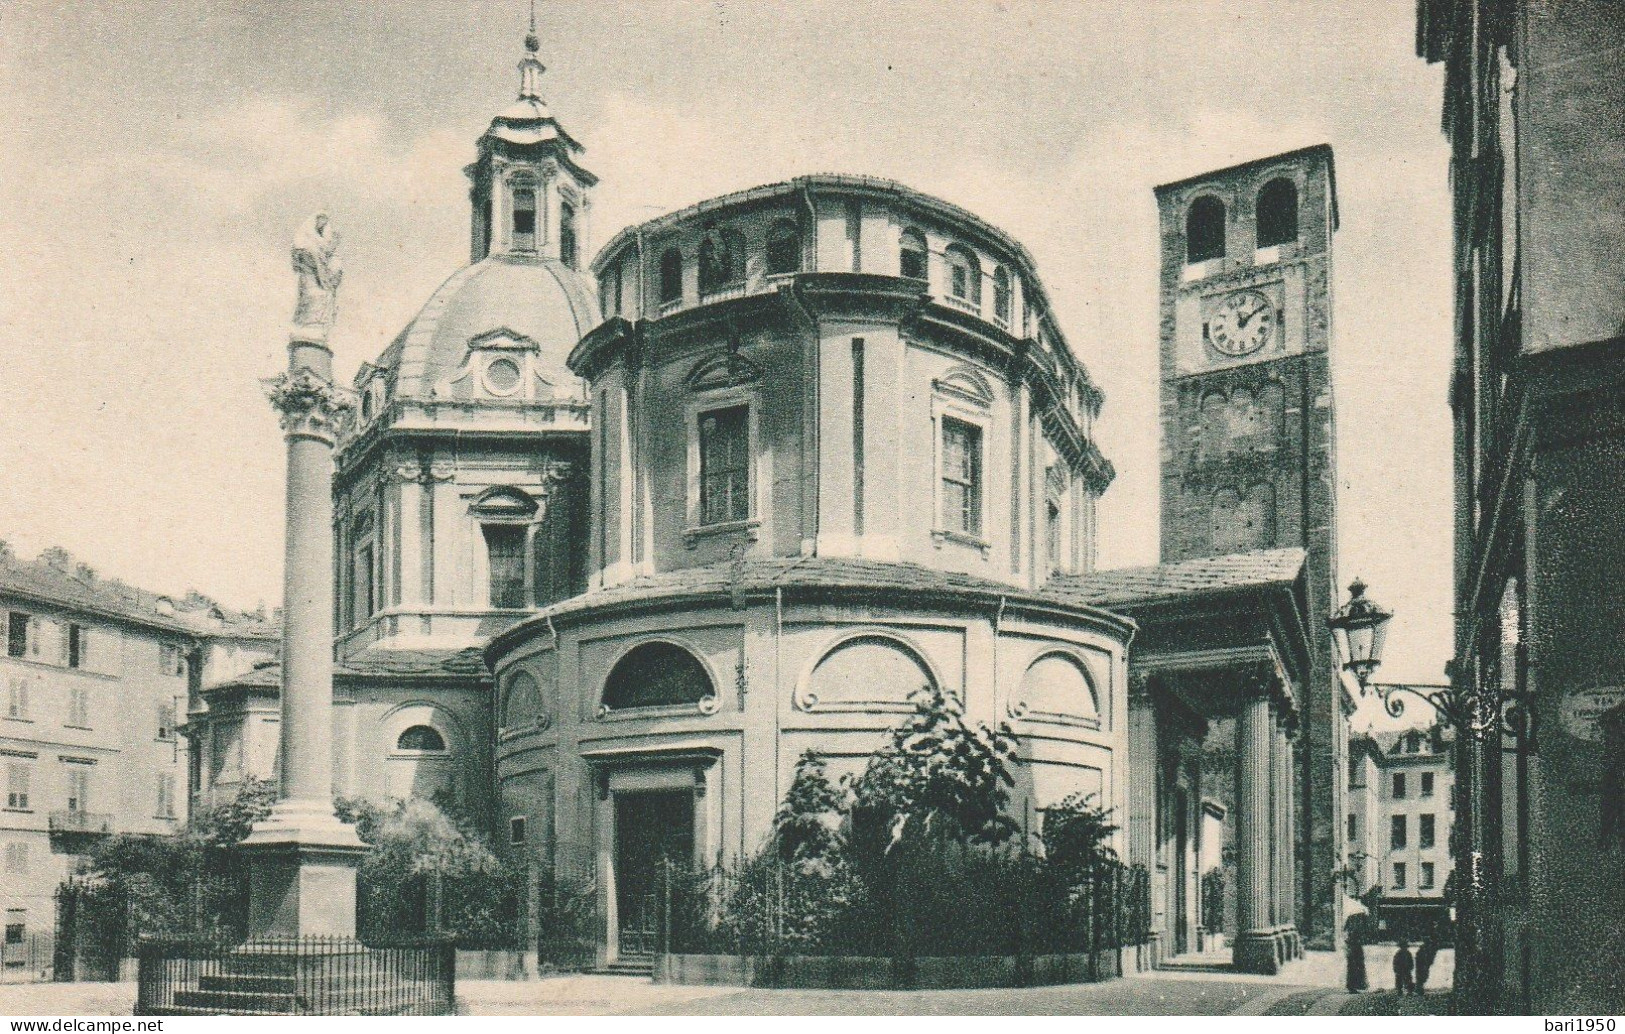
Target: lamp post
(1359, 632)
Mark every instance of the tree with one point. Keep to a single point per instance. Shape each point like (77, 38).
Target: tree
(807, 826)
(938, 777)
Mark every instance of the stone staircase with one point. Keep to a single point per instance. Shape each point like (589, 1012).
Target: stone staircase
(631, 966)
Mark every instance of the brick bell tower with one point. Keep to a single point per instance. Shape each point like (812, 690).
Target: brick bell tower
(1247, 432)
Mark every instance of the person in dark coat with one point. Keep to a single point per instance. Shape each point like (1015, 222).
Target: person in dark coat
(1404, 967)
(1354, 950)
(1425, 954)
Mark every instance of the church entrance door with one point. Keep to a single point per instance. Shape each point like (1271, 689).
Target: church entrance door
(651, 827)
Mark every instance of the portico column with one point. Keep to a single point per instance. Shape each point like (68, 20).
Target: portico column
(1285, 845)
(1281, 845)
(1255, 727)
(302, 859)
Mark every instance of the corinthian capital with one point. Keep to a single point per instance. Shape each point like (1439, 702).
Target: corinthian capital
(310, 406)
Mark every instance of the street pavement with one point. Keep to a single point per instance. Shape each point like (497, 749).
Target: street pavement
(1312, 986)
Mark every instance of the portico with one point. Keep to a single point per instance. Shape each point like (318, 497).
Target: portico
(1213, 719)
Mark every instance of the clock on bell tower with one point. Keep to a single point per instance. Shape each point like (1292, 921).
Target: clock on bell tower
(1247, 424)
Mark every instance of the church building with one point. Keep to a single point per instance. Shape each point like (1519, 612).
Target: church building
(617, 544)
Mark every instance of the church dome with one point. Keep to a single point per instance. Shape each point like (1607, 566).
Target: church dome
(523, 301)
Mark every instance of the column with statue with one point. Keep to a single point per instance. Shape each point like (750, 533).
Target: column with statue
(302, 858)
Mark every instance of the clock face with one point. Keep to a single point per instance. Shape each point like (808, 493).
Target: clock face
(1242, 324)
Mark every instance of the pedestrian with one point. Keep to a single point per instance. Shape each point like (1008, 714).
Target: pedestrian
(1425, 954)
(1354, 949)
(1404, 967)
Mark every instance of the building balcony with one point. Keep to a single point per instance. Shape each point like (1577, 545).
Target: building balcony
(81, 822)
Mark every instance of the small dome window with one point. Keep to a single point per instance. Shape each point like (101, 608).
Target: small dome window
(964, 276)
(671, 276)
(568, 249)
(420, 737)
(783, 248)
(722, 261)
(524, 216)
(911, 252)
(1001, 296)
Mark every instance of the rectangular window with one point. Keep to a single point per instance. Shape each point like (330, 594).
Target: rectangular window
(79, 707)
(524, 219)
(17, 776)
(1399, 875)
(1396, 832)
(17, 857)
(171, 661)
(17, 699)
(1424, 879)
(15, 929)
(1399, 786)
(725, 465)
(1425, 831)
(1427, 784)
(17, 634)
(166, 721)
(516, 830)
(166, 797)
(567, 235)
(505, 550)
(961, 477)
(76, 646)
(78, 788)
(366, 603)
(1351, 829)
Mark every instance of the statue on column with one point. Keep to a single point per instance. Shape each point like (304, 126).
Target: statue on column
(320, 272)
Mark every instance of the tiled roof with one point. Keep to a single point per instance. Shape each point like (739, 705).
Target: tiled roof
(461, 663)
(55, 578)
(757, 576)
(1128, 585)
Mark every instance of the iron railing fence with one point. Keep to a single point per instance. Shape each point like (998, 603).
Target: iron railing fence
(981, 905)
(27, 957)
(295, 976)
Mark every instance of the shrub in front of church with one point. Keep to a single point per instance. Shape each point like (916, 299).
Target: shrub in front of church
(194, 882)
(916, 855)
(428, 869)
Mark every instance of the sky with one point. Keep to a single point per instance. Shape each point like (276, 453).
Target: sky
(156, 157)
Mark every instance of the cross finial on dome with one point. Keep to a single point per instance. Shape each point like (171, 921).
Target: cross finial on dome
(530, 68)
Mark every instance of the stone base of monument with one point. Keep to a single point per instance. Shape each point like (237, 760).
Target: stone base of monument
(302, 865)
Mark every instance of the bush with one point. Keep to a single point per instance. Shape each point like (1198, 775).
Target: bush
(917, 855)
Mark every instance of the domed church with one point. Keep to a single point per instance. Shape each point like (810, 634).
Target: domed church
(615, 547)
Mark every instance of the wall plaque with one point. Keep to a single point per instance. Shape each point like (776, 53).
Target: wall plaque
(1583, 710)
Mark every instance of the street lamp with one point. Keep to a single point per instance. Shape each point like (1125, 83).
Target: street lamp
(1359, 630)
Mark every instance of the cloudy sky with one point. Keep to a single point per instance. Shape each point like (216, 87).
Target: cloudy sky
(157, 155)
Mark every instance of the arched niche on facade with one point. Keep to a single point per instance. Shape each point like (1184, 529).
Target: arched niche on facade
(965, 384)
(1058, 687)
(658, 675)
(422, 743)
(866, 671)
(523, 704)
